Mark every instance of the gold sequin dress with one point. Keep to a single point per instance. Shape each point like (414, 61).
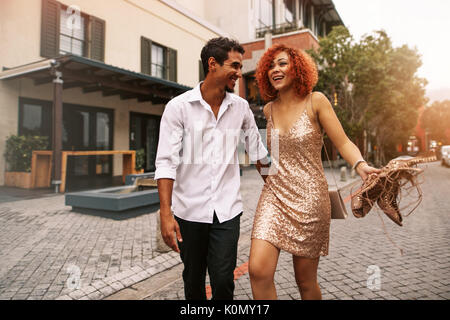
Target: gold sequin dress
(293, 211)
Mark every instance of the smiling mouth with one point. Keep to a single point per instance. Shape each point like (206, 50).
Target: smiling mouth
(277, 78)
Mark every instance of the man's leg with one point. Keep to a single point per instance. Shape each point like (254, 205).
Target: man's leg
(222, 255)
(193, 252)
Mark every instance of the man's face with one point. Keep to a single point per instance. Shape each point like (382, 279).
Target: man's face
(230, 72)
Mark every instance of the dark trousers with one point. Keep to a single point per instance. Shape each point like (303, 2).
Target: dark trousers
(211, 247)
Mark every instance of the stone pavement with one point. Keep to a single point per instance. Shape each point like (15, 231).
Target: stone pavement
(360, 253)
(49, 252)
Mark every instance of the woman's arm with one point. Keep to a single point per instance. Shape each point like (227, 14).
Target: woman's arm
(330, 122)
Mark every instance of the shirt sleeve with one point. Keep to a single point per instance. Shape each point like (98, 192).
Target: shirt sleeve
(252, 138)
(169, 144)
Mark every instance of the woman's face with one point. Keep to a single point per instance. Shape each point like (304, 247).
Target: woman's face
(278, 73)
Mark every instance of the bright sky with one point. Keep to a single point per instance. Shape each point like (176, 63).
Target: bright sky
(417, 23)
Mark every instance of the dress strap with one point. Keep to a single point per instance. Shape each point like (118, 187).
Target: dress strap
(314, 114)
(271, 104)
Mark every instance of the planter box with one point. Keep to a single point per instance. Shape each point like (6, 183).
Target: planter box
(39, 177)
(18, 179)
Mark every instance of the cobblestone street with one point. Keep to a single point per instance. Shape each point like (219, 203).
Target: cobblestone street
(360, 246)
(49, 252)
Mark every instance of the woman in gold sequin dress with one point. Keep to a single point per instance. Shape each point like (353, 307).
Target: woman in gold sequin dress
(293, 212)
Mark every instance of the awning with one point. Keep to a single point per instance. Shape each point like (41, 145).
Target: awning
(92, 76)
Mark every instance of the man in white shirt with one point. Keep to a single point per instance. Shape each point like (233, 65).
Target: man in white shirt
(197, 169)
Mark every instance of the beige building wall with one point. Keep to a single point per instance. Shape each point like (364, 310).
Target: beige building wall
(196, 7)
(126, 22)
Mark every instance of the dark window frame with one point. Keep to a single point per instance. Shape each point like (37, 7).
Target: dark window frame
(86, 42)
(94, 33)
(47, 116)
(170, 57)
(290, 10)
(132, 142)
(164, 66)
(93, 124)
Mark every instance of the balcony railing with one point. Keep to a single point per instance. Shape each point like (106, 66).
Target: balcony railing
(277, 29)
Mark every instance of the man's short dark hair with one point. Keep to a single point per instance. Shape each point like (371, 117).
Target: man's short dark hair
(218, 48)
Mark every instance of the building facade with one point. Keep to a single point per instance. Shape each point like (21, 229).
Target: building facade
(108, 65)
(95, 75)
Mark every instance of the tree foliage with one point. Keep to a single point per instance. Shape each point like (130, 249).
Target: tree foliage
(436, 121)
(376, 86)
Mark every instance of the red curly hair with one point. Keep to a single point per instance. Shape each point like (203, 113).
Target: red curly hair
(303, 70)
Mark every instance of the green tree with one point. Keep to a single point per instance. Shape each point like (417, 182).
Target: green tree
(377, 89)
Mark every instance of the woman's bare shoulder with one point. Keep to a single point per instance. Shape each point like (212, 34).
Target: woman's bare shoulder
(267, 110)
(320, 101)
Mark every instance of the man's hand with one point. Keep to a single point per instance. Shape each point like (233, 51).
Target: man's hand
(170, 227)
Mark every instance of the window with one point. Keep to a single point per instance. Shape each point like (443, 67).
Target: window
(289, 11)
(35, 118)
(64, 30)
(88, 128)
(158, 65)
(265, 13)
(307, 16)
(158, 61)
(144, 134)
(72, 37)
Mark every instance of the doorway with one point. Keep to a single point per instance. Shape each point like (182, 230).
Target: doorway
(88, 128)
(144, 134)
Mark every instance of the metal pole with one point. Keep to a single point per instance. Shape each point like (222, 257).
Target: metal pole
(57, 128)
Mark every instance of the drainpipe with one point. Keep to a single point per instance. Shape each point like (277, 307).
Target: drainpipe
(57, 126)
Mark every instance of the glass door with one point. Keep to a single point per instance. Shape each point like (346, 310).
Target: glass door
(87, 129)
(144, 134)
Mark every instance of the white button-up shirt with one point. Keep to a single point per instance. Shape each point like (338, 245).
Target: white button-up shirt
(200, 153)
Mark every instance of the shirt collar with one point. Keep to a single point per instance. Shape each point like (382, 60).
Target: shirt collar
(196, 95)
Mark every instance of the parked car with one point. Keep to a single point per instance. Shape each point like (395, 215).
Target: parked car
(445, 153)
(404, 157)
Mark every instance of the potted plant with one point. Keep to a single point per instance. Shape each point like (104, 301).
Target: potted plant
(18, 153)
(140, 161)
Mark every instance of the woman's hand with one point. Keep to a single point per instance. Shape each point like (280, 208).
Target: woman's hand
(364, 170)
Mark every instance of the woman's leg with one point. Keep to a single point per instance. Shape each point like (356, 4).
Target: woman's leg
(262, 265)
(306, 277)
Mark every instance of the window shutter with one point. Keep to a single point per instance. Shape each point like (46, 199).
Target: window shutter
(146, 59)
(97, 38)
(171, 65)
(51, 14)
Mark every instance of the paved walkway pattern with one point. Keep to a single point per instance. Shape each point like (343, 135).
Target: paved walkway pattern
(363, 264)
(49, 252)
